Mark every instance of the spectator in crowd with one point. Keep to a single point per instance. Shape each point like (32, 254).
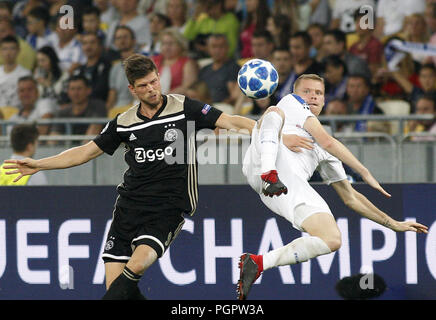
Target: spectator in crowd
(199, 91)
(398, 62)
(256, 19)
(108, 13)
(67, 47)
(320, 13)
(416, 31)
(282, 61)
(343, 13)
(177, 71)
(360, 100)
(214, 20)
(336, 78)
(280, 28)
(6, 11)
(290, 10)
(316, 33)
(221, 75)
(49, 76)
(300, 44)
(427, 83)
(10, 71)
(37, 23)
(96, 69)
(31, 106)
(91, 23)
(81, 106)
(426, 104)
(151, 7)
(26, 56)
(334, 43)
(392, 14)
(177, 11)
(24, 141)
(20, 13)
(119, 94)
(262, 45)
(430, 18)
(130, 17)
(158, 22)
(368, 47)
(338, 107)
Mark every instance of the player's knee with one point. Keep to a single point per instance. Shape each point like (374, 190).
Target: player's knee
(276, 110)
(334, 242)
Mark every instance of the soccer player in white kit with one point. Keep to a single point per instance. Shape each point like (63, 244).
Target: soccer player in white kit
(296, 200)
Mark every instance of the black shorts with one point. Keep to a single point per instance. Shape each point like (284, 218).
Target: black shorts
(131, 228)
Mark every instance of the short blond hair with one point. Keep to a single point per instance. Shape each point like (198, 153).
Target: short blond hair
(309, 76)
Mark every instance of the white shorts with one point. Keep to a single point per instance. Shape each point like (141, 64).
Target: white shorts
(300, 202)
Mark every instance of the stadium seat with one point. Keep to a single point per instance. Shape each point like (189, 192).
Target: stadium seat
(394, 107)
(112, 113)
(8, 111)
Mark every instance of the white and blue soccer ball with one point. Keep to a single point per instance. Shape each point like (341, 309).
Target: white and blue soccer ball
(258, 78)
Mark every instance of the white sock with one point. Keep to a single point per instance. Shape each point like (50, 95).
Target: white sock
(269, 140)
(299, 250)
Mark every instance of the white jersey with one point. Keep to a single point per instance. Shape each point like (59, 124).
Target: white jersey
(305, 163)
(294, 169)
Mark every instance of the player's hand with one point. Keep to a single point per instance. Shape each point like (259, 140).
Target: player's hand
(295, 142)
(23, 167)
(410, 226)
(369, 179)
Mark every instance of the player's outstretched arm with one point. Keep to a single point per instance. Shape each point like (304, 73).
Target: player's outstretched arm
(359, 203)
(66, 159)
(234, 122)
(336, 148)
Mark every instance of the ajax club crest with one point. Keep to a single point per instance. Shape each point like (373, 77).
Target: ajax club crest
(171, 133)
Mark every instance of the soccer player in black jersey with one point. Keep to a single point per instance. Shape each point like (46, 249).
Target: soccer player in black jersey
(159, 187)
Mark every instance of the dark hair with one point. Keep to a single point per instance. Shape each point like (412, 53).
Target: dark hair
(99, 38)
(430, 66)
(335, 61)
(23, 134)
(54, 61)
(427, 96)
(41, 13)
(132, 33)
(6, 5)
(339, 35)
(265, 34)
(27, 78)
(303, 35)
(10, 39)
(138, 66)
(262, 13)
(164, 18)
(91, 10)
(79, 77)
(365, 78)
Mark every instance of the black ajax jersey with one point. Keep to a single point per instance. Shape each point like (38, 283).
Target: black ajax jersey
(160, 153)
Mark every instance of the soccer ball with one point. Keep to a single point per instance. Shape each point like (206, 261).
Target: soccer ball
(258, 79)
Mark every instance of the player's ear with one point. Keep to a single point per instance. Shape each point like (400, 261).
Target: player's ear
(132, 89)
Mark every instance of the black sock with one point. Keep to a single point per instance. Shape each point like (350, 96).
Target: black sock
(124, 287)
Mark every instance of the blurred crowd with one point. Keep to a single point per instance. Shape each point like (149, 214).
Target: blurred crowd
(376, 56)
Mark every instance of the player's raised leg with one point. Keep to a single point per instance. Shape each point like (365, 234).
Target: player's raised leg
(270, 126)
(324, 238)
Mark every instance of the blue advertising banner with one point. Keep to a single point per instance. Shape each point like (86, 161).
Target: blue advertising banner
(51, 240)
